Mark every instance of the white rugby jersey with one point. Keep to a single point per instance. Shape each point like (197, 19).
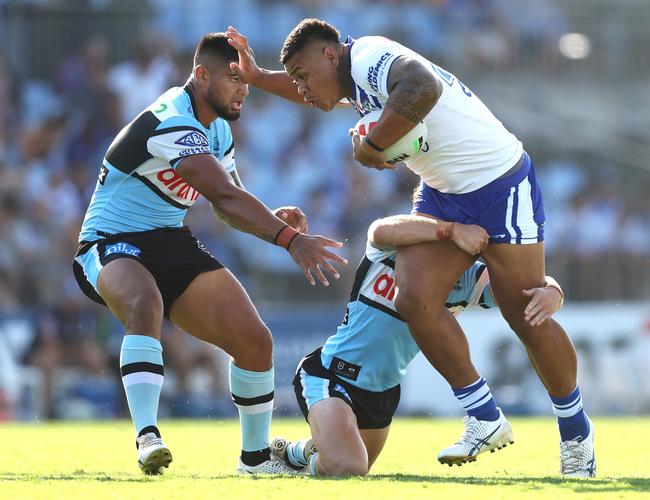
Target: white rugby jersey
(467, 147)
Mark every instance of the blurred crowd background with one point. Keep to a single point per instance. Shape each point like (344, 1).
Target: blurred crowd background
(571, 78)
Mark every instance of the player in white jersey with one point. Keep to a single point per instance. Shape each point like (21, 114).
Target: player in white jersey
(137, 258)
(349, 389)
(473, 171)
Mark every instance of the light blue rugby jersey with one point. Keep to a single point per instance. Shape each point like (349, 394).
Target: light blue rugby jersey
(138, 187)
(372, 347)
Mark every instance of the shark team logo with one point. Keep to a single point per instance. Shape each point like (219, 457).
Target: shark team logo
(193, 140)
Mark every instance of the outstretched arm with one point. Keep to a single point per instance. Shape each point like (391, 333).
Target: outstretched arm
(403, 230)
(245, 212)
(276, 82)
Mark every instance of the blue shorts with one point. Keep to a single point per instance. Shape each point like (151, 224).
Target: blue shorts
(510, 209)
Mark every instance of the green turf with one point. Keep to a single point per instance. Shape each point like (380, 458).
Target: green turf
(98, 460)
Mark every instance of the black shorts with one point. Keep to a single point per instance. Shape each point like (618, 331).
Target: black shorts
(172, 255)
(313, 382)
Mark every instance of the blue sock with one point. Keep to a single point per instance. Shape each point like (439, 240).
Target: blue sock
(477, 400)
(571, 418)
(296, 453)
(141, 365)
(312, 465)
(252, 393)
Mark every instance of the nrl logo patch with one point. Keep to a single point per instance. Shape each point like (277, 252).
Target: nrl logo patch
(193, 139)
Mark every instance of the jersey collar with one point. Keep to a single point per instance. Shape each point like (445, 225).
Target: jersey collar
(349, 41)
(187, 90)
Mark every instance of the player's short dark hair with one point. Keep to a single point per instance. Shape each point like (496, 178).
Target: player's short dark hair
(214, 45)
(306, 32)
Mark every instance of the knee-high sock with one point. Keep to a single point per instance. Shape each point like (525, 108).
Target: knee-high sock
(141, 365)
(477, 400)
(252, 393)
(571, 418)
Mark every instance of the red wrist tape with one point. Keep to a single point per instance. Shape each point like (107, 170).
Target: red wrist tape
(445, 230)
(285, 236)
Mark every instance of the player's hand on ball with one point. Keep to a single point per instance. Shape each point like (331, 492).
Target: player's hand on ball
(310, 254)
(469, 237)
(366, 155)
(294, 217)
(247, 69)
(544, 301)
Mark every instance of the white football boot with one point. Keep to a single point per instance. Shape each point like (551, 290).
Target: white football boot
(153, 455)
(479, 437)
(577, 458)
(279, 448)
(273, 466)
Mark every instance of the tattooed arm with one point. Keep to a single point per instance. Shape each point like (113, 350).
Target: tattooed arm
(413, 91)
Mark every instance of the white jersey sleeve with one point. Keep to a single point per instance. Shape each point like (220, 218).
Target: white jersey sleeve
(372, 57)
(173, 143)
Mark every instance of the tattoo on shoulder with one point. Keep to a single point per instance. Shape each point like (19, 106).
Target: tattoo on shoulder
(413, 89)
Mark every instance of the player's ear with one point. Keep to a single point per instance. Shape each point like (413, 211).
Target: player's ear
(200, 72)
(331, 55)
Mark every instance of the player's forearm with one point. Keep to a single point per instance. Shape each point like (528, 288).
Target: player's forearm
(403, 230)
(278, 83)
(245, 212)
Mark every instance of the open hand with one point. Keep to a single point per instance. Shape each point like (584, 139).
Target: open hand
(544, 301)
(247, 69)
(310, 254)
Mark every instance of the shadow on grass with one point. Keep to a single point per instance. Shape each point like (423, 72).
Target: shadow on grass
(601, 485)
(578, 485)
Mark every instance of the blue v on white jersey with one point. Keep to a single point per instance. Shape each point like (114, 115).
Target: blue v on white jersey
(138, 187)
(373, 346)
(467, 146)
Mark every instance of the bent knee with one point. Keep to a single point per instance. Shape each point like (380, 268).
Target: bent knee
(413, 300)
(349, 467)
(142, 310)
(255, 351)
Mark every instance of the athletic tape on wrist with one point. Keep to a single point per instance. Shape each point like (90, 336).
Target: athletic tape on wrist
(285, 237)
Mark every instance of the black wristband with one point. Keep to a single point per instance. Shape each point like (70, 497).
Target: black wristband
(373, 145)
(291, 240)
(275, 240)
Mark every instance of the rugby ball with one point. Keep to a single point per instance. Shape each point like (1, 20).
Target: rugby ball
(406, 148)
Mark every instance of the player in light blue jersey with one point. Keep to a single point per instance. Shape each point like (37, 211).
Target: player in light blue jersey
(137, 258)
(349, 389)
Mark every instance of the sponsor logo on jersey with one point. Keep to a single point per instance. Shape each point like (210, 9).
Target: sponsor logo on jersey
(380, 286)
(176, 187)
(376, 72)
(122, 248)
(193, 139)
(384, 286)
(194, 151)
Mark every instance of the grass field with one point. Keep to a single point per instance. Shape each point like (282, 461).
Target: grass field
(98, 460)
